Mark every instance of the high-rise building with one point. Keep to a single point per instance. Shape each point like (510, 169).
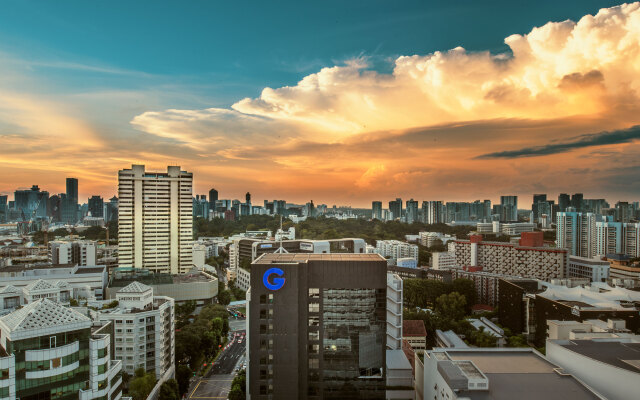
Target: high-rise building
(576, 232)
(509, 208)
(247, 198)
(80, 252)
(618, 238)
(213, 197)
(395, 207)
(376, 210)
(111, 210)
(155, 223)
(31, 203)
(411, 214)
(537, 198)
(458, 211)
(3, 209)
(317, 327)
(69, 202)
(96, 206)
(433, 212)
(577, 200)
(564, 201)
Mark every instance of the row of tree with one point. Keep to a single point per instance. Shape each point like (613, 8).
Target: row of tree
(423, 293)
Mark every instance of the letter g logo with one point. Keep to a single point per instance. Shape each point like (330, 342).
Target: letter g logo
(278, 283)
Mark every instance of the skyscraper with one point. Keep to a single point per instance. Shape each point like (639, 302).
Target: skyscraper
(247, 198)
(376, 210)
(509, 208)
(3, 208)
(317, 326)
(564, 201)
(96, 206)
(576, 231)
(69, 202)
(32, 203)
(213, 197)
(577, 201)
(537, 198)
(395, 207)
(155, 227)
(412, 211)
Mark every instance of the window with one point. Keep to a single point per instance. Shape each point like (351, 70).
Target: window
(314, 363)
(314, 335)
(4, 374)
(314, 293)
(314, 320)
(314, 307)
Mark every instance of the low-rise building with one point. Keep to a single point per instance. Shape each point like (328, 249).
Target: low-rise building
(589, 329)
(144, 329)
(48, 351)
(596, 269)
(414, 332)
(495, 374)
(407, 262)
(443, 260)
(609, 366)
(392, 250)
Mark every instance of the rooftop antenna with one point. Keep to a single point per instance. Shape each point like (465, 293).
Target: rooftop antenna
(281, 249)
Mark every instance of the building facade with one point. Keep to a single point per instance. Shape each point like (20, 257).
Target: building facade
(576, 232)
(317, 327)
(155, 226)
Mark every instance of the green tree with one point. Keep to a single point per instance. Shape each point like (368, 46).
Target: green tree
(183, 376)
(451, 306)
(467, 288)
(142, 384)
(224, 297)
(238, 386)
(169, 390)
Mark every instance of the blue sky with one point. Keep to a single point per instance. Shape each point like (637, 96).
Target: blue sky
(220, 51)
(343, 101)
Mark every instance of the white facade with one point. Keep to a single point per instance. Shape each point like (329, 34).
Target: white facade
(144, 329)
(155, 226)
(392, 250)
(78, 252)
(618, 238)
(428, 239)
(593, 268)
(589, 329)
(443, 260)
(394, 312)
(199, 254)
(508, 228)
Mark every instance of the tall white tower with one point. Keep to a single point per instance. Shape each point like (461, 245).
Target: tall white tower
(155, 223)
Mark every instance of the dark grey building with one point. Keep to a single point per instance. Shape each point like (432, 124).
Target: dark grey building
(96, 206)
(317, 327)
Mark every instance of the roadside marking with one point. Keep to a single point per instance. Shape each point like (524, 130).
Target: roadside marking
(194, 389)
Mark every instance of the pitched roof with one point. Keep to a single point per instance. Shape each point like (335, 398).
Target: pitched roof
(9, 289)
(40, 284)
(41, 314)
(413, 327)
(135, 287)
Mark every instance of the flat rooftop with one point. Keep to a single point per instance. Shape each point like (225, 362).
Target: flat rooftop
(274, 258)
(618, 354)
(521, 375)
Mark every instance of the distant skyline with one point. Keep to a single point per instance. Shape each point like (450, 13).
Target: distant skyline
(339, 102)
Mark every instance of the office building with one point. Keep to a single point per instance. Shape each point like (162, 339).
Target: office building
(155, 226)
(509, 207)
(3, 209)
(494, 374)
(411, 214)
(528, 258)
(537, 198)
(376, 210)
(608, 366)
(48, 351)
(317, 327)
(31, 203)
(246, 250)
(213, 197)
(457, 211)
(392, 250)
(69, 202)
(96, 206)
(143, 329)
(577, 200)
(618, 238)
(576, 232)
(595, 269)
(510, 228)
(564, 201)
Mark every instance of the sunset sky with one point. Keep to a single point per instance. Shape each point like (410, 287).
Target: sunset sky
(342, 102)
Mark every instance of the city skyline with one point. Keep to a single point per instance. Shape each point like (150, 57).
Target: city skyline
(545, 101)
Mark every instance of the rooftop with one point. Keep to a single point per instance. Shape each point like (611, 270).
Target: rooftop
(519, 374)
(619, 354)
(274, 258)
(40, 314)
(413, 328)
(135, 287)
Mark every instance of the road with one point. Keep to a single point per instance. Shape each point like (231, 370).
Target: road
(217, 383)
